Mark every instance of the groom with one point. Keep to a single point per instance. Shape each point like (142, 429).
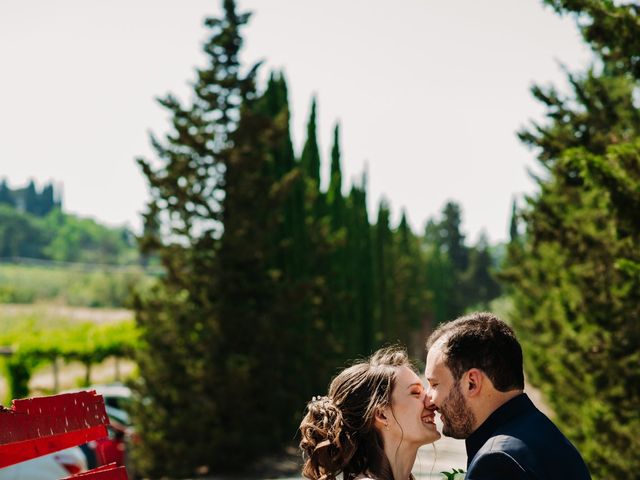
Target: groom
(474, 372)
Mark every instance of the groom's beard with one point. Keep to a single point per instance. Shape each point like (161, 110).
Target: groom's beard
(457, 418)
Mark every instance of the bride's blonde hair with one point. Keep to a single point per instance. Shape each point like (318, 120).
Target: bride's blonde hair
(338, 434)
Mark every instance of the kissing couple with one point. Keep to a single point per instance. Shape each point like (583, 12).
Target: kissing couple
(378, 412)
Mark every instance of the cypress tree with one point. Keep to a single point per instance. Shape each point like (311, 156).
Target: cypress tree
(514, 235)
(31, 202)
(310, 158)
(383, 260)
(47, 202)
(448, 262)
(335, 199)
(255, 324)
(411, 298)
(6, 194)
(440, 274)
(360, 338)
(310, 164)
(339, 259)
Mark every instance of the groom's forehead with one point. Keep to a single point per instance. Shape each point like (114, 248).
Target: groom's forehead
(436, 356)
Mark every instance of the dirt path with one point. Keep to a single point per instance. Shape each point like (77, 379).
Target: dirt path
(52, 311)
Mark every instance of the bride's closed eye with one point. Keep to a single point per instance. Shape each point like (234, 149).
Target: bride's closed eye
(417, 390)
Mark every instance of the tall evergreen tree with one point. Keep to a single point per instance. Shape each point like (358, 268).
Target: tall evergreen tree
(480, 284)
(310, 164)
(6, 194)
(514, 234)
(440, 274)
(383, 277)
(181, 364)
(243, 302)
(338, 275)
(411, 298)
(30, 198)
(257, 328)
(360, 337)
(335, 199)
(310, 158)
(576, 279)
(450, 260)
(452, 236)
(47, 201)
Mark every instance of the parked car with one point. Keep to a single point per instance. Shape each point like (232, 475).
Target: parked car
(53, 466)
(121, 435)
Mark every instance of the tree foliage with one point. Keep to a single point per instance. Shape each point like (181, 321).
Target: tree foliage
(272, 281)
(63, 237)
(29, 199)
(36, 343)
(576, 272)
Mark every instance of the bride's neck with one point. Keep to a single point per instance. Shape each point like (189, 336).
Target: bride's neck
(401, 460)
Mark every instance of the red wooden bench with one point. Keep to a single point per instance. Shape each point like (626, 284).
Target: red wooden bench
(33, 427)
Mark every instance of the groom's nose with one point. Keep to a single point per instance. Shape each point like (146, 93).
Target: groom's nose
(427, 401)
(428, 394)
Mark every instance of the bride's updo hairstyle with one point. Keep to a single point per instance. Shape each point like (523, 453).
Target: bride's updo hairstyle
(338, 434)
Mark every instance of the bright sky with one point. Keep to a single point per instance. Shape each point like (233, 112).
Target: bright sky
(429, 93)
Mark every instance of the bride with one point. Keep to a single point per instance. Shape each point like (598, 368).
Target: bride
(371, 423)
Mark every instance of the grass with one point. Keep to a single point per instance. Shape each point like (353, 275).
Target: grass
(70, 285)
(66, 332)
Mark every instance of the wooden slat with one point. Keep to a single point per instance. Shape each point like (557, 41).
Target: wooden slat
(41, 425)
(105, 472)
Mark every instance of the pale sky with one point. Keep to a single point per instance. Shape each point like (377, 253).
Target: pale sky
(429, 93)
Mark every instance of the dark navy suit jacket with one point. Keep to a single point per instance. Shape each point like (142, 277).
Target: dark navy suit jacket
(519, 442)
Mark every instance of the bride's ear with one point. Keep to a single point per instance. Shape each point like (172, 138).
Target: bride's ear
(381, 419)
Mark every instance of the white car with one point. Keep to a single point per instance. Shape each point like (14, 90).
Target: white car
(53, 466)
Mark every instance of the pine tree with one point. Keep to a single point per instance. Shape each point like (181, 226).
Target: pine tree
(480, 284)
(449, 260)
(452, 237)
(243, 304)
(576, 279)
(180, 365)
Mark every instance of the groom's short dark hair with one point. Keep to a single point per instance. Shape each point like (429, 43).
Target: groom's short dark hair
(481, 340)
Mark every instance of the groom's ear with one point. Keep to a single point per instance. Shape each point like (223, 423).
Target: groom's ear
(473, 382)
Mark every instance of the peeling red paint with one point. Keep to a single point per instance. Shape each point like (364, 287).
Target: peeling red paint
(33, 427)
